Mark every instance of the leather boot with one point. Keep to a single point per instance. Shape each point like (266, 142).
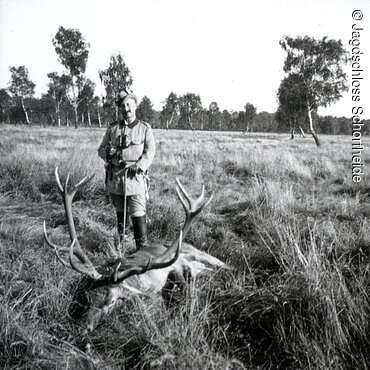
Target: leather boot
(140, 234)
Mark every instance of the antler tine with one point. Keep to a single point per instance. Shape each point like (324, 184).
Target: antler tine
(85, 270)
(84, 181)
(185, 202)
(202, 193)
(194, 205)
(66, 183)
(183, 189)
(50, 243)
(115, 274)
(63, 189)
(199, 202)
(60, 259)
(56, 248)
(60, 187)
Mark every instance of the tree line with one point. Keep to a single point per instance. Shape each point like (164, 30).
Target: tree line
(314, 78)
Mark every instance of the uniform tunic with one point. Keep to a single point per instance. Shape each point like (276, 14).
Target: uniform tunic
(138, 148)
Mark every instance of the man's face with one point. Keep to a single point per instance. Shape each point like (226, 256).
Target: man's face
(128, 110)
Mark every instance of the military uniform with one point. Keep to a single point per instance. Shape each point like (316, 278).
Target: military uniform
(138, 148)
(134, 144)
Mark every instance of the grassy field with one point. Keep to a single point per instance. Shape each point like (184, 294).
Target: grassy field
(285, 215)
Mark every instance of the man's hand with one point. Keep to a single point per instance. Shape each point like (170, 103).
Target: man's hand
(110, 151)
(133, 170)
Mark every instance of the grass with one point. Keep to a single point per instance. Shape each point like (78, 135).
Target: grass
(285, 215)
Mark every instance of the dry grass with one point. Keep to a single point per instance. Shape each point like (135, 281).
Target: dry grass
(285, 215)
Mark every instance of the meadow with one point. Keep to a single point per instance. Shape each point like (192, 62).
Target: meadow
(285, 216)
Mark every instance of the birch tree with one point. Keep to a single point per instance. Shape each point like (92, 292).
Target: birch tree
(170, 109)
(21, 87)
(73, 53)
(58, 86)
(250, 112)
(190, 104)
(86, 98)
(320, 65)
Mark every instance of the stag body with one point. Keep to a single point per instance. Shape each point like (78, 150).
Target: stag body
(146, 271)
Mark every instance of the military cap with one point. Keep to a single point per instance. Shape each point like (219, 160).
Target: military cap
(124, 95)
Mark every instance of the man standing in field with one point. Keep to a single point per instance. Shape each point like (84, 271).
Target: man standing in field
(128, 149)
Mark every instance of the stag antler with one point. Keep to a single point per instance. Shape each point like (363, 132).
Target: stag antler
(84, 266)
(191, 206)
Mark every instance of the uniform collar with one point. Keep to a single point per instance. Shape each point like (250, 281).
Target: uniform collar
(123, 123)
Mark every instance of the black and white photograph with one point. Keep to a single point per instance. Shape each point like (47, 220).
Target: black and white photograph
(185, 184)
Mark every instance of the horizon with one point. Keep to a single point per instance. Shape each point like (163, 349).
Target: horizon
(223, 53)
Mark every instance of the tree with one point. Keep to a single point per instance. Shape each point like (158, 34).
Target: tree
(344, 126)
(42, 109)
(73, 53)
(67, 111)
(214, 116)
(226, 118)
(265, 122)
(145, 110)
(21, 87)
(234, 120)
(115, 78)
(240, 122)
(201, 119)
(319, 63)
(96, 103)
(86, 98)
(283, 120)
(58, 86)
(292, 102)
(250, 112)
(190, 104)
(5, 105)
(170, 109)
(326, 125)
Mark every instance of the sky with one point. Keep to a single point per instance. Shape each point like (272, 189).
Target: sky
(225, 51)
